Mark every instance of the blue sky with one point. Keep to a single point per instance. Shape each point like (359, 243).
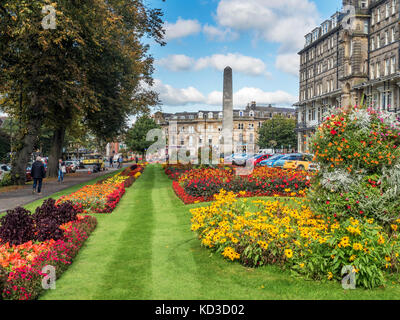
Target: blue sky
(259, 39)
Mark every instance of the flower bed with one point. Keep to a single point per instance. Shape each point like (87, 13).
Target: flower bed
(358, 151)
(52, 236)
(200, 185)
(104, 196)
(292, 237)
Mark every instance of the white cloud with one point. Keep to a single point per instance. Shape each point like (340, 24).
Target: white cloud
(247, 94)
(171, 96)
(239, 63)
(219, 34)
(284, 21)
(177, 97)
(182, 28)
(176, 62)
(289, 63)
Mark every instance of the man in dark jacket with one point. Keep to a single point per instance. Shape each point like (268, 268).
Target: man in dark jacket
(38, 173)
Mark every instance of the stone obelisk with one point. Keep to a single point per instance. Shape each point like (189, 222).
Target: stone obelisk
(227, 103)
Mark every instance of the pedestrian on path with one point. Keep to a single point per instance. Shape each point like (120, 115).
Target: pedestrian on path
(111, 162)
(61, 170)
(38, 173)
(120, 160)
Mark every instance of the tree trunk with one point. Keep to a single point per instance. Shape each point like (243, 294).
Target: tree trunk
(26, 145)
(55, 152)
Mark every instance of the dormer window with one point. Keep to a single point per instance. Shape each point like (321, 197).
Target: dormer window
(251, 113)
(210, 115)
(200, 115)
(240, 113)
(220, 115)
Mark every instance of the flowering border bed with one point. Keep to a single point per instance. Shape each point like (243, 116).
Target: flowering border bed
(104, 196)
(291, 236)
(200, 185)
(21, 267)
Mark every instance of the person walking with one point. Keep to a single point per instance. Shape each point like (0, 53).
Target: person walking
(38, 173)
(61, 170)
(111, 162)
(120, 160)
(136, 159)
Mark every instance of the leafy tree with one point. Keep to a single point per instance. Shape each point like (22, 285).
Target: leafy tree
(5, 145)
(89, 69)
(135, 138)
(276, 132)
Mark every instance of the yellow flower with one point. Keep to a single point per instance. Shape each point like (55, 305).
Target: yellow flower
(330, 275)
(357, 246)
(288, 253)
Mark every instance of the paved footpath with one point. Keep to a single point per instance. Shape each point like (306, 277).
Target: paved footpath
(23, 196)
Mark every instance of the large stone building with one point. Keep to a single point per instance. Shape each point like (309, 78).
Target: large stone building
(350, 58)
(204, 128)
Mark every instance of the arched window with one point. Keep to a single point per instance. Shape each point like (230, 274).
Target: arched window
(240, 113)
(251, 113)
(210, 115)
(200, 115)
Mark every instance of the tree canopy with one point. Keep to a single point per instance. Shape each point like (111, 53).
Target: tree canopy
(136, 136)
(91, 68)
(276, 132)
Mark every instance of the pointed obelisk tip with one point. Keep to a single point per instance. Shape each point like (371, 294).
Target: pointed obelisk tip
(228, 68)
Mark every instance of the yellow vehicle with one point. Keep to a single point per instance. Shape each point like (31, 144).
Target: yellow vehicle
(94, 160)
(304, 163)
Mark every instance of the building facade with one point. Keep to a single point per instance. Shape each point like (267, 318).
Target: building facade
(192, 130)
(351, 58)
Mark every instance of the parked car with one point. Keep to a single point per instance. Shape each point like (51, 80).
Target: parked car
(3, 169)
(267, 151)
(260, 157)
(271, 161)
(240, 159)
(288, 157)
(303, 162)
(70, 166)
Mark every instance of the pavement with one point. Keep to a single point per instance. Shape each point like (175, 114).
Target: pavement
(23, 196)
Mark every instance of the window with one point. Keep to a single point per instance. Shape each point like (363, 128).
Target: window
(372, 69)
(386, 67)
(364, 4)
(387, 37)
(201, 115)
(393, 65)
(393, 34)
(378, 42)
(372, 44)
(210, 115)
(240, 113)
(378, 16)
(378, 70)
(393, 6)
(252, 113)
(387, 11)
(372, 18)
(220, 115)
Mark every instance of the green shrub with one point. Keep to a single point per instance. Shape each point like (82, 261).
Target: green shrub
(6, 180)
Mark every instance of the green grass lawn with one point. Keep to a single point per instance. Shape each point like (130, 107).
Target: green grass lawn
(145, 250)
